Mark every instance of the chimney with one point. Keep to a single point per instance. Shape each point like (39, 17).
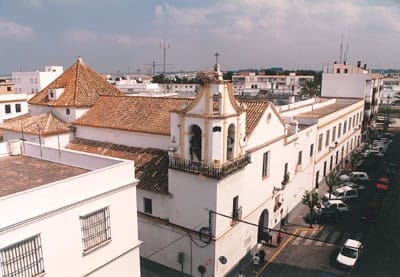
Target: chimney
(365, 66)
(359, 64)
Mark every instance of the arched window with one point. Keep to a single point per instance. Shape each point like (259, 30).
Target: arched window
(195, 143)
(230, 142)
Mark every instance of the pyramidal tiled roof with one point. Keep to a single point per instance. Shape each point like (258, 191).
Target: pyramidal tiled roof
(47, 124)
(151, 114)
(82, 87)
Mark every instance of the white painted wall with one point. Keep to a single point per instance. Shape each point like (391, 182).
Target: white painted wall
(59, 112)
(33, 82)
(122, 137)
(12, 100)
(344, 85)
(53, 211)
(52, 141)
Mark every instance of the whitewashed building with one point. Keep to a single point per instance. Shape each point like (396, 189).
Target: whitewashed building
(391, 91)
(349, 81)
(63, 213)
(205, 163)
(12, 105)
(32, 82)
(53, 109)
(251, 84)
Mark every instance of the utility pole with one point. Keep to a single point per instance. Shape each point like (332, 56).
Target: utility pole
(164, 47)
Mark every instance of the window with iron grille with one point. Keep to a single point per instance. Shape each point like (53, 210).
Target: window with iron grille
(96, 228)
(23, 258)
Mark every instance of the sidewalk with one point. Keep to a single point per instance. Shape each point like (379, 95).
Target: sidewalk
(295, 222)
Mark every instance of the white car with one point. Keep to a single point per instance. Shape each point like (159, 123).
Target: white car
(352, 185)
(349, 253)
(338, 204)
(355, 176)
(343, 193)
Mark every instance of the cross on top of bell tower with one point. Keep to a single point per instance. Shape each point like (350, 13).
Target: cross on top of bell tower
(217, 69)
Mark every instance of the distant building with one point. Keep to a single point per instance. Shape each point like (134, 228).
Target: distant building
(64, 213)
(349, 81)
(251, 84)
(33, 82)
(56, 106)
(7, 86)
(391, 91)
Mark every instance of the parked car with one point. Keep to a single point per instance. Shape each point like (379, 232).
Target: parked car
(324, 215)
(360, 187)
(337, 204)
(370, 215)
(354, 176)
(343, 193)
(349, 253)
(383, 184)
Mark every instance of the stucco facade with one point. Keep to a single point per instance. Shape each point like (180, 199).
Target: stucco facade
(54, 212)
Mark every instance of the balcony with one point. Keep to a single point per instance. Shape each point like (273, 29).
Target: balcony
(209, 170)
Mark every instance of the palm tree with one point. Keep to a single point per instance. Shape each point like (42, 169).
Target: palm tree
(331, 180)
(310, 198)
(311, 89)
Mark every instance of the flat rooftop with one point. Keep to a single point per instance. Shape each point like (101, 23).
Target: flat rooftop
(19, 173)
(328, 109)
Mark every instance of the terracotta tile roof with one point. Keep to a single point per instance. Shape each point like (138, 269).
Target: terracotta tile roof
(82, 87)
(47, 123)
(254, 112)
(151, 114)
(151, 165)
(133, 113)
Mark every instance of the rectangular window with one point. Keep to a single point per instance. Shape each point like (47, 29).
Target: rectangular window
(24, 258)
(148, 205)
(311, 150)
(236, 210)
(344, 127)
(327, 138)
(95, 228)
(339, 130)
(299, 157)
(265, 168)
(320, 142)
(7, 108)
(17, 108)
(334, 134)
(67, 111)
(349, 123)
(285, 172)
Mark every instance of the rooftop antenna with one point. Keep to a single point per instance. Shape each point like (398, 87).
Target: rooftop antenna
(347, 50)
(341, 49)
(164, 47)
(153, 66)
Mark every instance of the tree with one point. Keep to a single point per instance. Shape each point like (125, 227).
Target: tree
(311, 88)
(330, 181)
(310, 198)
(355, 157)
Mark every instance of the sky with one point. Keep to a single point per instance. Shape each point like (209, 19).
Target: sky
(127, 35)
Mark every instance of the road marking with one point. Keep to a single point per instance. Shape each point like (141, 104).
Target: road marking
(283, 247)
(344, 238)
(332, 239)
(323, 237)
(298, 239)
(309, 241)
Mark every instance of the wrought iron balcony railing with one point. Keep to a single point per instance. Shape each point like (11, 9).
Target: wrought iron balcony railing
(209, 170)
